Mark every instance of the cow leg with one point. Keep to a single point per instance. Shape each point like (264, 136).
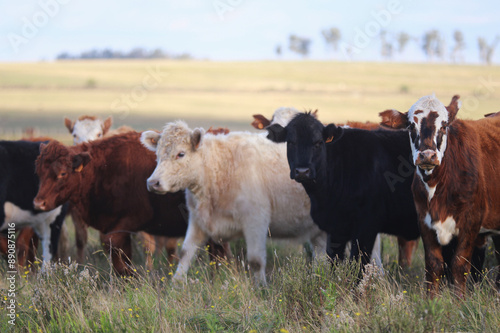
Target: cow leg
(477, 261)
(434, 264)
(25, 244)
(195, 237)
(406, 251)
(149, 243)
(256, 238)
(171, 248)
(362, 247)
(461, 263)
(318, 243)
(335, 248)
(376, 255)
(81, 235)
(120, 245)
(43, 231)
(496, 241)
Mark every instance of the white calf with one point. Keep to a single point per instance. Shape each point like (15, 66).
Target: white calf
(237, 185)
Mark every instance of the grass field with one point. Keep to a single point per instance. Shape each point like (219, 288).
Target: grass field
(228, 93)
(300, 297)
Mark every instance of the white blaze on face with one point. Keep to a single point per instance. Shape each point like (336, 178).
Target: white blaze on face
(428, 116)
(284, 115)
(87, 130)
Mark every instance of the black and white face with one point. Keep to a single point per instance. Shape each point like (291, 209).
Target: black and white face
(428, 121)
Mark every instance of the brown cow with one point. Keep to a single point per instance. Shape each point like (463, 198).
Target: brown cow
(455, 186)
(26, 247)
(105, 182)
(284, 115)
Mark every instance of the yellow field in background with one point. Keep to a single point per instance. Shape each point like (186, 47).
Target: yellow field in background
(148, 93)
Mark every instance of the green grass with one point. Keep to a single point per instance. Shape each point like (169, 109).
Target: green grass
(300, 297)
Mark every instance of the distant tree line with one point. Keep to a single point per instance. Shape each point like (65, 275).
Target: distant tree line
(432, 44)
(136, 53)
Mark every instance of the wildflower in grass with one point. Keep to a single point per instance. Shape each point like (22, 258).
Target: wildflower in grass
(282, 330)
(343, 319)
(358, 314)
(371, 274)
(170, 273)
(162, 279)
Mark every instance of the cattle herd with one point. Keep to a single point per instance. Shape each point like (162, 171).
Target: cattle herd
(334, 188)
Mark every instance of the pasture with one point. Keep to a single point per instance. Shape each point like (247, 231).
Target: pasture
(300, 297)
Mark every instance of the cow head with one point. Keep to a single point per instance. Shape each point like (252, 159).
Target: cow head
(176, 149)
(281, 116)
(306, 140)
(59, 170)
(427, 122)
(88, 128)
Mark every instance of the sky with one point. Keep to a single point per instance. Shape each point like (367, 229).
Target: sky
(239, 29)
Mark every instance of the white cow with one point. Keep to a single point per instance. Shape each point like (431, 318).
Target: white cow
(237, 185)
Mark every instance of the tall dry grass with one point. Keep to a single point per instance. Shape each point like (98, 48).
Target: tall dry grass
(300, 297)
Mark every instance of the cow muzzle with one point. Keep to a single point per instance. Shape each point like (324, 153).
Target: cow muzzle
(302, 174)
(427, 160)
(40, 204)
(154, 186)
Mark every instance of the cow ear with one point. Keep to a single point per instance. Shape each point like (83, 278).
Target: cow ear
(79, 161)
(196, 136)
(260, 122)
(69, 125)
(107, 125)
(42, 147)
(393, 119)
(332, 133)
(276, 133)
(315, 114)
(150, 139)
(453, 108)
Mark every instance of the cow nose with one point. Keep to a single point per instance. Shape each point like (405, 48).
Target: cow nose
(428, 156)
(153, 184)
(302, 173)
(39, 204)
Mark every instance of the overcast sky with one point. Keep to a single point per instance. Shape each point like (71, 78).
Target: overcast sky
(237, 29)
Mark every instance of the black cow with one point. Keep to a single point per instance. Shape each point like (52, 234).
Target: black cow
(359, 181)
(18, 187)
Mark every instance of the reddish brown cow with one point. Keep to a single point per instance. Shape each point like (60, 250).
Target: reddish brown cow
(105, 182)
(283, 116)
(455, 186)
(26, 246)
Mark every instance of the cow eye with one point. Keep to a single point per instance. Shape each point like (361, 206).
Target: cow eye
(74, 135)
(180, 155)
(62, 175)
(99, 135)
